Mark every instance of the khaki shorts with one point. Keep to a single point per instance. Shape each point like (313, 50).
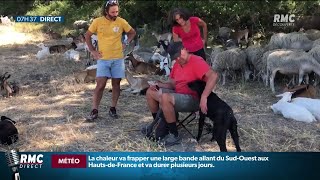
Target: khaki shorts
(183, 102)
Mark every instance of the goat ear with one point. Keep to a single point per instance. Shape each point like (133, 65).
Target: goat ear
(280, 95)
(4, 118)
(285, 93)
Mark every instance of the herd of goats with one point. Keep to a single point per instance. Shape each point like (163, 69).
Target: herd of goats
(295, 54)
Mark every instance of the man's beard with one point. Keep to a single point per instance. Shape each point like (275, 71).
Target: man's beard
(113, 18)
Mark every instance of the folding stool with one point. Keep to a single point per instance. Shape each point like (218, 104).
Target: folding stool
(187, 120)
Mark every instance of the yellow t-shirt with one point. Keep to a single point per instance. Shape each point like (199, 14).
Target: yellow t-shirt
(109, 36)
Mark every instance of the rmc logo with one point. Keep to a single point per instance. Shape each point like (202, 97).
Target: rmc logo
(283, 20)
(31, 160)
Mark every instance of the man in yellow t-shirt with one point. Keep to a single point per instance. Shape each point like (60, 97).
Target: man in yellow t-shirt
(110, 58)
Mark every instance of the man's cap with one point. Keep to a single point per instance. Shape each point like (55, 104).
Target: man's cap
(174, 49)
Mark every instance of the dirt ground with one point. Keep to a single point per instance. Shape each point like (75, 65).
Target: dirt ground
(51, 108)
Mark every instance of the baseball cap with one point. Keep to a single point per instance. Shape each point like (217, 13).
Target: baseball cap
(174, 49)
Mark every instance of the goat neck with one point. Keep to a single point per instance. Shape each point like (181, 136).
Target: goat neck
(286, 97)
(133, 60)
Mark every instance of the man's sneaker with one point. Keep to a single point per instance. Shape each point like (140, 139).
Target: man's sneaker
(146, 130)
(170, 140)
(93, 115)
(113, 112)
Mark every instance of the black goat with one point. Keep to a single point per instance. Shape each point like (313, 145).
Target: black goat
(8, 131)
(164, 44)
(61, 48)
(222, 116)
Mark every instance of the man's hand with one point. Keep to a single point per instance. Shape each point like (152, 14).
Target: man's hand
(96, 55)
(154, 87)
(203, 104)
(124, 46)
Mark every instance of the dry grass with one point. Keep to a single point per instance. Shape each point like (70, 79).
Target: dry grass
(51, 107)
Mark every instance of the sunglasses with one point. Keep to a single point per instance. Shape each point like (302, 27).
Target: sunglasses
(111, 2)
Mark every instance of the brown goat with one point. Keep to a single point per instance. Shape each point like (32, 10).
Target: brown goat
(54, 35)
(143, 67)
(4, 85)
(304, 90)
(238, 35)
(137, 84)
(86, 76)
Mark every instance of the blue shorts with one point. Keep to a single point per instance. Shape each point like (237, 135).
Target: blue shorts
(111, 68)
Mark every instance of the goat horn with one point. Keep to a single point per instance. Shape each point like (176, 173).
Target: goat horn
(3, 76)
(8, 76)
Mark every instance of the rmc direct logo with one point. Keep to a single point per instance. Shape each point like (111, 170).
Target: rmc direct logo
(283, 20)
(31, 160)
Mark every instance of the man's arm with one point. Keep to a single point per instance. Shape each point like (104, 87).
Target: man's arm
(170, 84)
(88, 41)
(131, 34)
(211, 78)
(95, 54)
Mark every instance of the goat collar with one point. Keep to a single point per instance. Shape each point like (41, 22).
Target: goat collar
(9, 120)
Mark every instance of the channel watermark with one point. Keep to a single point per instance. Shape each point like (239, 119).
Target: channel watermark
(284, 20)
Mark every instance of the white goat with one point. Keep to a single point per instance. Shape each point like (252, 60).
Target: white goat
(81, 24)
(215, 51)
(312, 105)
(80, 46)
(290, 110)
(164, 37)
(294, 40)
(5, 20)
(290, 62)
(72, 54)
(165, 62)
(254, 59)
(157, 57)
(312, 34)
(44, 52)
(230, 60)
